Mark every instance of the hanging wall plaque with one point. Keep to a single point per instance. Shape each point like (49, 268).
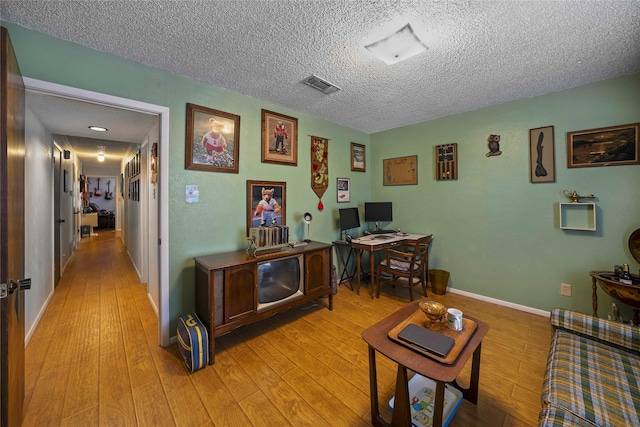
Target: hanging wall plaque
(319, 167)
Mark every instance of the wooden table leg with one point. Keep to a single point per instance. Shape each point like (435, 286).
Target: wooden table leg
(376, 418)
(371, 271)
(471, 393)
(401, 406)
(439, 404)
(358, 256)
(595, 297)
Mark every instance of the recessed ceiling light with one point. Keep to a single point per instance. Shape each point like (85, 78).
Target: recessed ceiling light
(98, 128)
(397, 47)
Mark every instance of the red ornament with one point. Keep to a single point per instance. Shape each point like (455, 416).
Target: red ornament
(320, 205)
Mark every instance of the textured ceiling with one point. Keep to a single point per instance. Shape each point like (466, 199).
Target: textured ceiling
(480, 53)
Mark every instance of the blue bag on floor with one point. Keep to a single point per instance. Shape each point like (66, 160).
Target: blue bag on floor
(193, 342)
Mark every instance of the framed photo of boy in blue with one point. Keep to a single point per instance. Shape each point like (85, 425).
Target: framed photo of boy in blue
(266, 204)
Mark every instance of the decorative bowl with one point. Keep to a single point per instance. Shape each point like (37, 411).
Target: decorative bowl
(436, 314)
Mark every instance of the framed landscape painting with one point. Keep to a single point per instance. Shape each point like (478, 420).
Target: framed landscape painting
(608, 146)
(212, 140)
(358, 157)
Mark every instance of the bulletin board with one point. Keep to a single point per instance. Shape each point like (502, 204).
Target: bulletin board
(400, 171)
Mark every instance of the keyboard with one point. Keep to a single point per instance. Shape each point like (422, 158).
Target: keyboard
(381, 231)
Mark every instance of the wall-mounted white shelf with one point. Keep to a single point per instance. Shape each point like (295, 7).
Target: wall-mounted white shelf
(578, 216)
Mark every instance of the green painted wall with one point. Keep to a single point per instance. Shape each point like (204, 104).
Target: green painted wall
(497, 233)
(217, 222)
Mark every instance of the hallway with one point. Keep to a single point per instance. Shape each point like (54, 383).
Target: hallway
(91, 359)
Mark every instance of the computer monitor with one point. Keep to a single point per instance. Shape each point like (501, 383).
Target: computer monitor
(349, 218)
(378, 212)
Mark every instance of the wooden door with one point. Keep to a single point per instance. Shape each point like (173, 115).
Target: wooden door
(239, 292)
(11, 234)
(317, 271)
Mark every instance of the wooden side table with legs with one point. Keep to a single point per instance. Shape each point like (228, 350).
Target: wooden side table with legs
(377, 338)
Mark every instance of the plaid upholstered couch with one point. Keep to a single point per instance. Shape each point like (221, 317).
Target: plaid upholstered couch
(593, 373)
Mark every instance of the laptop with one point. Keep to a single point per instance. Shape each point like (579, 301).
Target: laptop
(426, 340)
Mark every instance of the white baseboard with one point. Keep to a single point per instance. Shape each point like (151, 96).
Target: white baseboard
(28, 334)
(500, 302)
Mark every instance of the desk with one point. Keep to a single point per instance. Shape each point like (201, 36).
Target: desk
(341, 245)
(373, 243)
(376, 337)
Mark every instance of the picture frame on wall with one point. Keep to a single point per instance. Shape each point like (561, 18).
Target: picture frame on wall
(212, 140)
(65, 181)
(358, 157)
(279, 138)
(266, 204)
(343, 189)
(542, 163)
(400, 171)
(607, 146)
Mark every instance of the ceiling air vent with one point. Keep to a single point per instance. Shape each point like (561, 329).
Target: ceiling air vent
(320, 84)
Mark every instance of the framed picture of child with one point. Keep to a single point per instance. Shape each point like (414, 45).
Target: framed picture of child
(279, 138)
(266, 204)
(212, 141)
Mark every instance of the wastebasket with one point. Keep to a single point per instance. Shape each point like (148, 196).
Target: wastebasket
(85, 230)
(439, 280)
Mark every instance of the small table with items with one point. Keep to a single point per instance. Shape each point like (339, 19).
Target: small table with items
(380, 336)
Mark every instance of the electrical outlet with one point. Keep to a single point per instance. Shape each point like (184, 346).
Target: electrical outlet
(565, 289)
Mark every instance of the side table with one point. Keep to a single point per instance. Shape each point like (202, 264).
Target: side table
(377, 338)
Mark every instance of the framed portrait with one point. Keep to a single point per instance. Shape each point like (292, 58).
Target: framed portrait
(400, 171)
(266, 204)
(344, 190)
(358, 157)
(609, 146)
(279, 138)
(542, 162)
(212, 141)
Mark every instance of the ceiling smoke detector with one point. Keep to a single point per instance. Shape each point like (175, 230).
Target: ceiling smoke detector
(320, 84)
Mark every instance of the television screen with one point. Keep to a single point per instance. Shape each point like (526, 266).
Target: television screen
(349, 218)
(279, 280)
(378, 212)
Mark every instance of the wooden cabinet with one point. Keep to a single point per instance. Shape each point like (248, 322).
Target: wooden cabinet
(227, 287)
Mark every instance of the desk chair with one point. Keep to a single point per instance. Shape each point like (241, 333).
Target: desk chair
(411, 263)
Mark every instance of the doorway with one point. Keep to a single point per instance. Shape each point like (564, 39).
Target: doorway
(155, 239)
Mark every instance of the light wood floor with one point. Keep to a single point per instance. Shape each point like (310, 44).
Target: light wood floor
(94, 359)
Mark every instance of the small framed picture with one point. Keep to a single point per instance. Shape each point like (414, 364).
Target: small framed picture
(344, 190)
(266, 204)
(358, 157)
(212, 141)
(542, 163)
(279, 138)
(66, 181)
(609, 146)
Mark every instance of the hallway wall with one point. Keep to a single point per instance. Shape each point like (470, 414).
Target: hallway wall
(39, 241)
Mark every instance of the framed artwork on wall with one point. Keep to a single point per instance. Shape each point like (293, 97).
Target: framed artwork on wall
(358, 157)
(400, 171)
(212, 140)
(542, 163)
(66, 181)
(447, 162)
(266, 204)
(279, 138)
(344, 190)
(608, 146)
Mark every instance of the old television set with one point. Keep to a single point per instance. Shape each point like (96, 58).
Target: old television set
(280, 281)
(378, 212)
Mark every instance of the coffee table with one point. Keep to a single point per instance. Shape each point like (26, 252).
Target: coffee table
(377, 338)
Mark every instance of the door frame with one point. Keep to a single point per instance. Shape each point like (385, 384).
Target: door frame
(162, 264)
